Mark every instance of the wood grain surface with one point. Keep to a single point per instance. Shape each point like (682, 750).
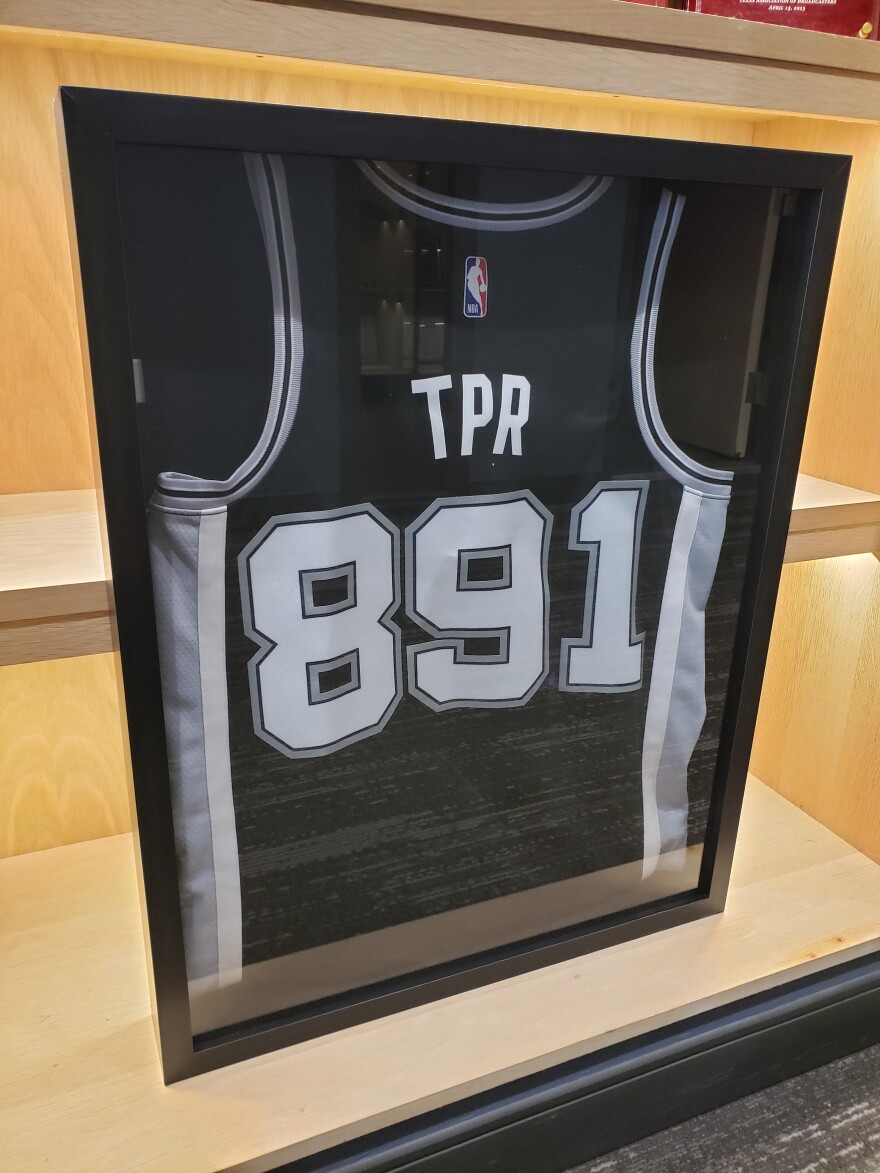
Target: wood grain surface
(29, 642)
(50, 556)
(651, 26)
(41, 391)
(830, 520)
(80, 1086)
(822, 505)
(720, 70)
(817, 734)
(842, 442)
(62, 771)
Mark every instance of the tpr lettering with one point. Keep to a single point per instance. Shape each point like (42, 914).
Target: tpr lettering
(478, 411)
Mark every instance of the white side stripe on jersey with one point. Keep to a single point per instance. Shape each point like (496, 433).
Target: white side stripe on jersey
(677, 697)
(188, 542)
(490, 217)
(185, 550)
(218, 768)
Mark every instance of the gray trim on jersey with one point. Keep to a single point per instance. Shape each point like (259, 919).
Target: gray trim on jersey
(677, 696)
(460, 213)
(180, 490)
(187, 529)
(677, 699)
(316, 669)
(185, 551)
(671, 458)
(486, 554)
(308, 579)
(483, 207)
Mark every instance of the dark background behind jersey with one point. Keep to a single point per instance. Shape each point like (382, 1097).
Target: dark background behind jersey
(438, 810)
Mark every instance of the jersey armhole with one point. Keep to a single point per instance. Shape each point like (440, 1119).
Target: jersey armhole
(182, 492)
(690, 473)
(483, 214)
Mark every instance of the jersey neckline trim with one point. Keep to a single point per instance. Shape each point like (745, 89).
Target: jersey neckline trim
(485, 215)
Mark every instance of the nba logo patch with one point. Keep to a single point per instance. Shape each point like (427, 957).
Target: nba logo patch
(476, 287)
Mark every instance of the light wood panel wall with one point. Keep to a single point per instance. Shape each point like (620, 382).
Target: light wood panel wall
(819, 722)
(818, 736)
(625, 55)
(62, 773)
(843, 431)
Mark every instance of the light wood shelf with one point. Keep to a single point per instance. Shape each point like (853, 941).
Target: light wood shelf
(668, 27)
(55, 599)
(601, 47)
(244, 21)
(830, 520)
(80, 1084)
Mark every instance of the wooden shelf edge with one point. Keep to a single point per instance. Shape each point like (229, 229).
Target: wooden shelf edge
(55, 602)
(56, 639)
(653, 26)
(829, 520)
(605, 51)
(71, 955)
(270, 27)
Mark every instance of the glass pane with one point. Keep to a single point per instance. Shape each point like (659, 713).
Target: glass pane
(451, 478)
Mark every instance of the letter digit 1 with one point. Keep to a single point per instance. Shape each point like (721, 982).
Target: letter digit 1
(607, 657)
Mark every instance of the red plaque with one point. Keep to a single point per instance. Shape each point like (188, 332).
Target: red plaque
(847, 18)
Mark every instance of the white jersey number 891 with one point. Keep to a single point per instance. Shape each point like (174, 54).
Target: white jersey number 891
(319, 589)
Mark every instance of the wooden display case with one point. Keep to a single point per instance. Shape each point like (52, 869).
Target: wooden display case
(648, 1032)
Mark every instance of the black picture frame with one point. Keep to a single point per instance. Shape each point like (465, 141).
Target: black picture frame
(94, 123)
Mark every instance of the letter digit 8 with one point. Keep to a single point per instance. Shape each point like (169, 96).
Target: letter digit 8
(317, 592)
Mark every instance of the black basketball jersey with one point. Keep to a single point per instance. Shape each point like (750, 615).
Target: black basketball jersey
(433, 582)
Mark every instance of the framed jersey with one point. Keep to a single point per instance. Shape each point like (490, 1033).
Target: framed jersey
(447, 471)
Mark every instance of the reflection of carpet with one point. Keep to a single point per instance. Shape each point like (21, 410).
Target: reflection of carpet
(825, 1120)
